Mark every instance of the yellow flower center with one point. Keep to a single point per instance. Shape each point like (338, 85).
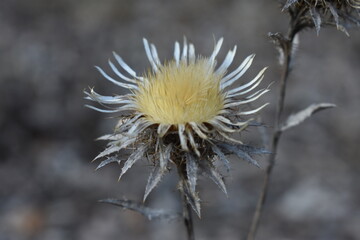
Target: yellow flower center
(178, 94)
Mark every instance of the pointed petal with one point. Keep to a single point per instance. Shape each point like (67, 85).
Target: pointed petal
(236, 94)
(192, 56)
(107, 99)
(182, 136)
(119, 109)
(149, 55)
(242, 87)
(155, 55)
(120, 84)
(192, 141)
(126, 67)
(216, 51)
(221, 127)
(237, 73)
(204, 128)
(228, 60)
(117, 72)
(230, 138)
(198, 131)
(248, 100)
(162, 129)
(185, 51)
(177, 53)
(252, 111)
(227, 121)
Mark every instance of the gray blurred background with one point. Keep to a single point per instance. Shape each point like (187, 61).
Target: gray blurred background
(48, 186)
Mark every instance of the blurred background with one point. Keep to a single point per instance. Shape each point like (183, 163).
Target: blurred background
(48, 186)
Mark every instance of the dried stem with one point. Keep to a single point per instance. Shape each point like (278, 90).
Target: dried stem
(187, 210)
(188, 221)
(286, 44)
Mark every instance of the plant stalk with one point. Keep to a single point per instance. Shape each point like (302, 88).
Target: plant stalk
(187, 210)
(287, 47)
(188, 221)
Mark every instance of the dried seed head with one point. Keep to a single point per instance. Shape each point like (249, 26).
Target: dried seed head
(317, 13)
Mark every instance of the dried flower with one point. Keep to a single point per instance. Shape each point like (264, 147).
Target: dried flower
(181, 112)
(315, 13)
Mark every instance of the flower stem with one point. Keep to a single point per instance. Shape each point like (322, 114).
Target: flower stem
(287, 46)
(188, 221)
(187, 210)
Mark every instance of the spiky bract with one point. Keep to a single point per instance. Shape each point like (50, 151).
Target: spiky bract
(317, 13)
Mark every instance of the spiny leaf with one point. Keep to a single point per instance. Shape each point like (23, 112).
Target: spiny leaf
(333, 13)
(149, 213)
(107, 161)
(159, 170)
(115, 146)
(222, 156)
(191, 197)
(242, 151)
(191, 170)
(111, 137)
(288, 4)
(136, 155)
(210, 170)
(341, 28)
(108, 151)
(154, 179)
(253, 150)
(165, 155)
(297, 118)
(316, 19)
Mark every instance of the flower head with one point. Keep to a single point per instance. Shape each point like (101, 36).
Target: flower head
(182, 112)
(315, 13)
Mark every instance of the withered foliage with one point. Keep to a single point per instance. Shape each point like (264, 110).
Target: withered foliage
(342, 14)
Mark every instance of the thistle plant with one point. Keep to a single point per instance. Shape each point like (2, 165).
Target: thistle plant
(303, 14)
(317, 13)
(187, 114)
(181, 114)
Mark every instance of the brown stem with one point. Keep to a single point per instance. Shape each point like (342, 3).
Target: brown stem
(287, 48)
(187, 210)
(188, 221)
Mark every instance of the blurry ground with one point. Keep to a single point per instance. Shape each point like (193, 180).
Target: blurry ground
(48, 187)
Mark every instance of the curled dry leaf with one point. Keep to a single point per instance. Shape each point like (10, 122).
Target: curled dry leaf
(297, 118)
(149, 213)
